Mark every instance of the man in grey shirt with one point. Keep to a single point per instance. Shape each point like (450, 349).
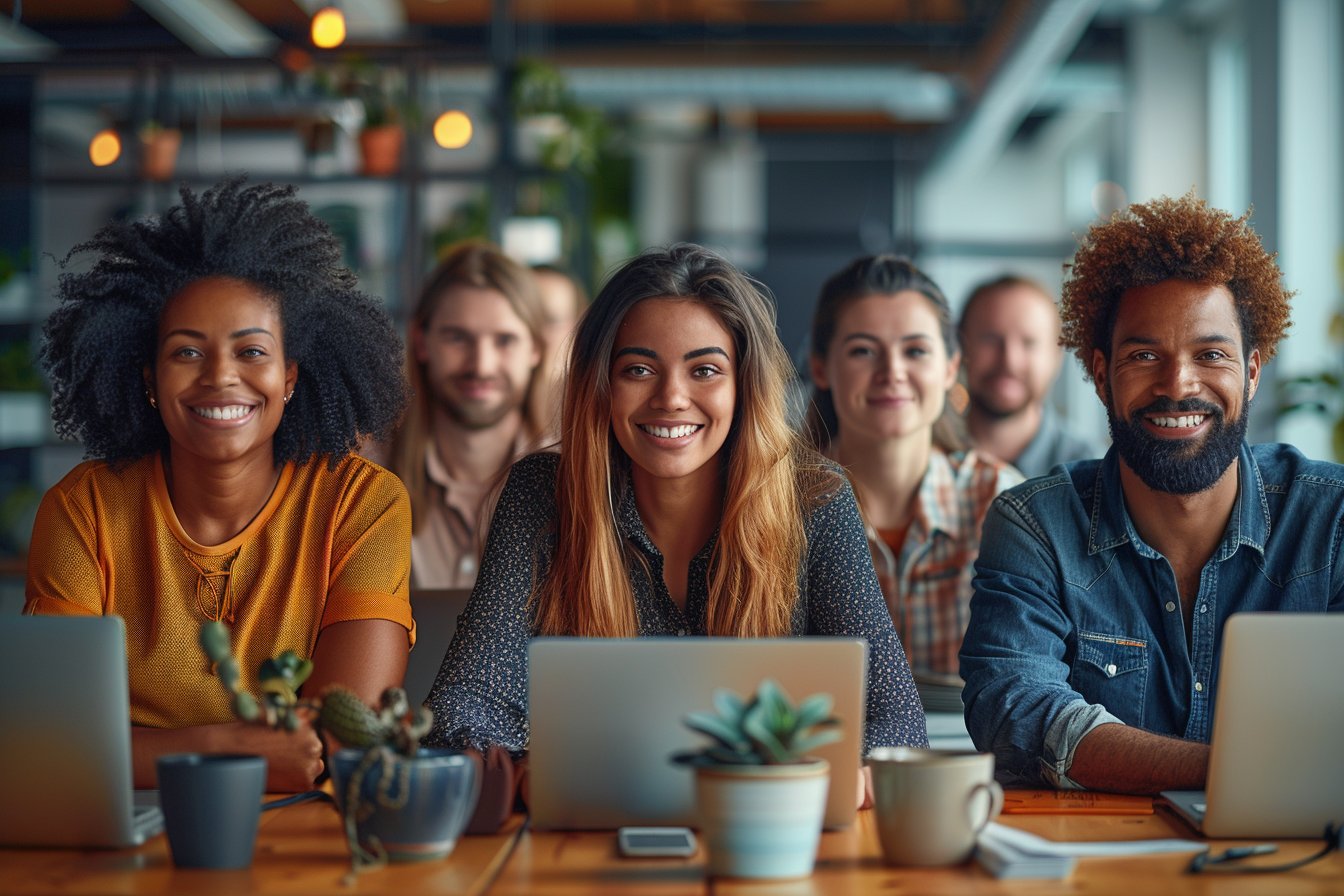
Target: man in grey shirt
(1011, 355)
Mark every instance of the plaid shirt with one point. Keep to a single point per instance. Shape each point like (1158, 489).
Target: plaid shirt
(928, 590)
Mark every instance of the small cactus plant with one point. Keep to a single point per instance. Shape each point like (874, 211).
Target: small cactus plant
(766, 730)
(280, 680)
(386, 733)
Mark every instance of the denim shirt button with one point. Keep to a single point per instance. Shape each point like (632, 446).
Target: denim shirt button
(1171, 606)
(1110, 669)
(1199, 687)
(1203, 608)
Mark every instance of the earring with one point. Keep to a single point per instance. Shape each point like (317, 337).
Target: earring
(289, 396)
(153, 402)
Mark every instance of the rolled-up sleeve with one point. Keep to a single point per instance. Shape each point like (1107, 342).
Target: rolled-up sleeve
(1019, 703)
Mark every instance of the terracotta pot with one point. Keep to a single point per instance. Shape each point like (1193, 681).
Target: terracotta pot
(158, 153)
(381, 149)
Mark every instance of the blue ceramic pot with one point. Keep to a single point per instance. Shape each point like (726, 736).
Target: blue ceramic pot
(419, 806)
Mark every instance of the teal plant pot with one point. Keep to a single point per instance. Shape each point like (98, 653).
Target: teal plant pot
(761, 821)
(414, 809)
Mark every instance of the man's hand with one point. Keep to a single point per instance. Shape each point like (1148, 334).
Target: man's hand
(1124, 759)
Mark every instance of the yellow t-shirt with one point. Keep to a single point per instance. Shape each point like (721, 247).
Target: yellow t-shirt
(329, 546)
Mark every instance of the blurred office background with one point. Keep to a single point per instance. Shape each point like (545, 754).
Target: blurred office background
(977, 137)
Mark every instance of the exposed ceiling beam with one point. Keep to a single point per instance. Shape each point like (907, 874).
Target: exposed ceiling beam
(907, 94)
(365, 19)
(18, 43)
(212, 27)
(1026, 71)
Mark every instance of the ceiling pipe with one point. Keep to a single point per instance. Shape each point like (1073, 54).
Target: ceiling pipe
(1050, 32)
(212, 27)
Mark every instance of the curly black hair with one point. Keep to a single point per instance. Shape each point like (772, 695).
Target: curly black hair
(1172, 239)
(100, 339)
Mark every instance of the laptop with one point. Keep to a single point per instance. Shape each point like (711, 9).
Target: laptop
(435, 611)
(65, 742)
(606, 713)
(1276, 762)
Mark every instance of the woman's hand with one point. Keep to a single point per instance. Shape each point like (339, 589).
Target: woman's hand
(293, 758)
(865, 787)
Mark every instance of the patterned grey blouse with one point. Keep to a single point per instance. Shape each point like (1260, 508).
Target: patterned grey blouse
(480, 696)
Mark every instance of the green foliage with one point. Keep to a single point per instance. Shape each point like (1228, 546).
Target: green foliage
(766, 730)
(380, 89)
(539, 90)
(387, 733)
(1320, 393)
(280, 680)
(394, 724)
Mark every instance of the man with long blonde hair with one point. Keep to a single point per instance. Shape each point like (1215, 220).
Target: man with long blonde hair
(473, 353)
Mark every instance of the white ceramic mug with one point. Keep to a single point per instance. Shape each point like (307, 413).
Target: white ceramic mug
(931, 804)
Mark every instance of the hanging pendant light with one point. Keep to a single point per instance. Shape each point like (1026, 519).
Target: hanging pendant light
(328, 28)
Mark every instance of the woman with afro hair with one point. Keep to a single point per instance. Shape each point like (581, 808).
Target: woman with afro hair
(219, 365)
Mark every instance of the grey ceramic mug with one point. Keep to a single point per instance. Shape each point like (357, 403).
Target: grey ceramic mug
(211, 805)
(931, 804)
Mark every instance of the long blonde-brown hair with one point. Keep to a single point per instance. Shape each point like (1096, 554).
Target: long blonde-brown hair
(485, 266)
(769, 475)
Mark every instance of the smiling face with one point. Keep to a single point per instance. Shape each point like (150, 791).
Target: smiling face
(1010, 350)
(887, 368)
(478, 356)
(1178, 384)
(220, 376)
(673, 389)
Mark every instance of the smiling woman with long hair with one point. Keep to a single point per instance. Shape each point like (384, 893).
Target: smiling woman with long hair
(681, 503)
(220, 365)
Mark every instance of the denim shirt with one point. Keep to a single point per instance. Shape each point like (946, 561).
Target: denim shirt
(1076, 622)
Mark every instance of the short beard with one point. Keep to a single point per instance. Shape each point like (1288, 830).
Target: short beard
(996, 412)
(1178, 467)
(477, 419)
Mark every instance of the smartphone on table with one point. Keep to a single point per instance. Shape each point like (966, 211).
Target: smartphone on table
(660, 841)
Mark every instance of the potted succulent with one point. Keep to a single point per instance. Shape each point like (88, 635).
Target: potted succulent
(398, 802)
(759, 796)
(158, 150)
(551, 127)
(387, 111)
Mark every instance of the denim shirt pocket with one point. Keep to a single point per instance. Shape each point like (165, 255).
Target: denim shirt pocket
(1112, 670)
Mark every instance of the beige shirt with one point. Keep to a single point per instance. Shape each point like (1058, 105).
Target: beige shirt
(447, 544)
(446, 548)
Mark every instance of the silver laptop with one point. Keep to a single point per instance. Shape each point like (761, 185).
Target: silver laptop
(65, 741)
(435, 611)
(1276, 763)
(606, 713)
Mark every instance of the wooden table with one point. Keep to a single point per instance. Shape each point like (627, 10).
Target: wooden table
(300, 851)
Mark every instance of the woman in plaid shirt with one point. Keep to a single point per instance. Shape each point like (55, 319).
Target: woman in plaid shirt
(883, 357)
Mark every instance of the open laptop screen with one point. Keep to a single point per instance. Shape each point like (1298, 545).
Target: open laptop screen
(606, 713)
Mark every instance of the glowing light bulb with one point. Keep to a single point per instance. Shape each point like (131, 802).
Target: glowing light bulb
(328, 28)
(452, 129)
(104, 148)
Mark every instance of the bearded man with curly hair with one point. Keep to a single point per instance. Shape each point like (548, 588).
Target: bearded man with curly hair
(1092, 656)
